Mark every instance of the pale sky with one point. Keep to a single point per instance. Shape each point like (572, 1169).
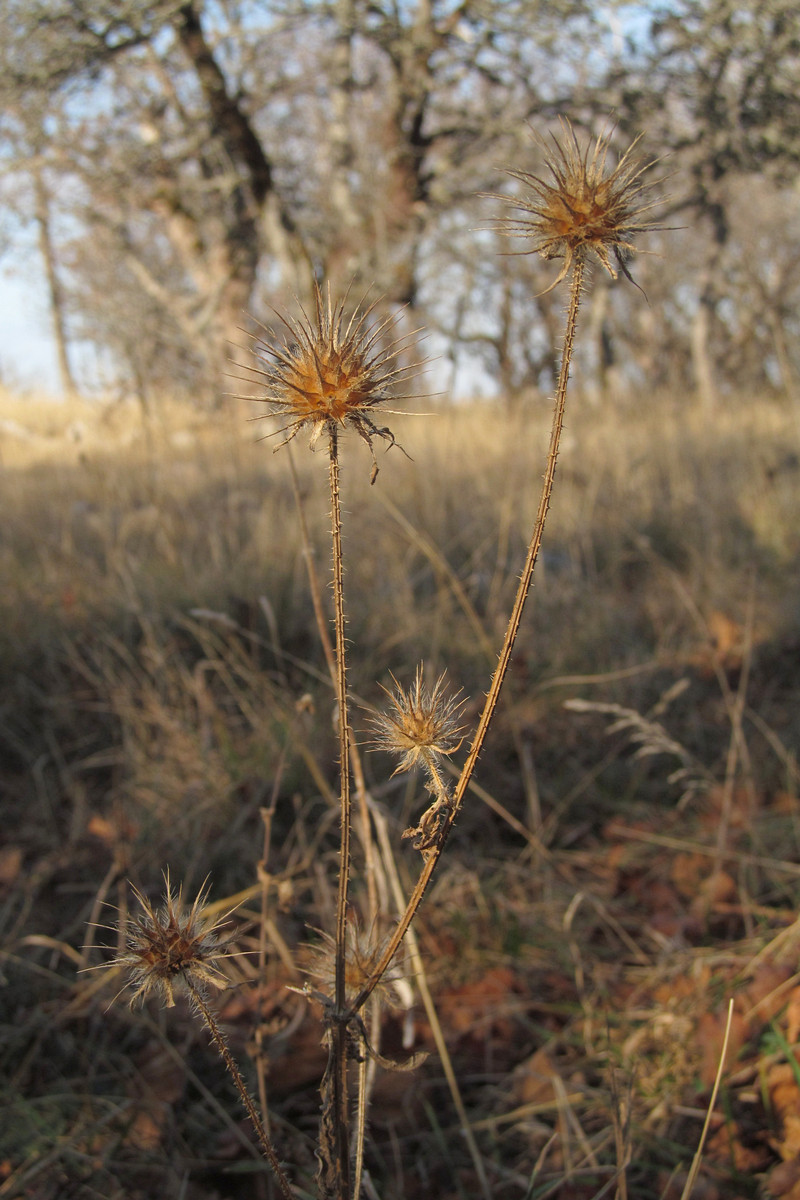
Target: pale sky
(27, 353)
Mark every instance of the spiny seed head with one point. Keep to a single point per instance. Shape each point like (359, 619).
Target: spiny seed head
(363, 951)
(585, 207)
(422, 724)
(171, 945)
(332, 372)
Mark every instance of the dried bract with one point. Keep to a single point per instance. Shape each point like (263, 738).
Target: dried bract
(332, 372)
(585, 208)
(171, 945)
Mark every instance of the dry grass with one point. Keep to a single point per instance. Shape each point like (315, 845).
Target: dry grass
(163, 684)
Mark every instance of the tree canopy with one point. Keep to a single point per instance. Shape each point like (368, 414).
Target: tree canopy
(186, 163)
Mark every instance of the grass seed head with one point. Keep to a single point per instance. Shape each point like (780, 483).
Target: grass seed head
(422, 724)
(585, 207)
(171, 945)
(332, 372)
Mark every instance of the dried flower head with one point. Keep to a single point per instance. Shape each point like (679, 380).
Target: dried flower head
(363, 951)
(171, 945)
(422, 725)
(332, 372)
(585, 207)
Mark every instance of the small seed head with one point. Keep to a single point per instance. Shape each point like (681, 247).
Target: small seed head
(584, 208)
(171, 945)
(363, 951)
(332, 372)
(422, 724)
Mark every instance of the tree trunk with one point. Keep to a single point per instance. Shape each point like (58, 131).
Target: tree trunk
(346, 251)
(701, 354)
(786, 372)
(55, 293)
(242, 233)
(602, 364)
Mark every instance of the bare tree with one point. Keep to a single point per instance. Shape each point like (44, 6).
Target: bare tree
(207, 152)
(717, 85)
(199, 161)
(157, 150)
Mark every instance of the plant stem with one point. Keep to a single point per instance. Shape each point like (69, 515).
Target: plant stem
(339, 1030)
(222, 1046)
(421, 981)
(442, 792)
(576, 285)
(363, 1099)
(330, 659)
(311, 571)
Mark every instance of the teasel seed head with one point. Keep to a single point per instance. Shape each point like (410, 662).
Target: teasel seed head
(332, 371)
(172, 944)
(585, 208)
(422, 724)
(363, 951)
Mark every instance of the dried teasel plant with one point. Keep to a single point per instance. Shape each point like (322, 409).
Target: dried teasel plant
(585, 208)
(362, 951)
(422, 727)
(422, 724)
(171, 946)
(364, 948)
(176, 945)
(334, 372)
(336, 368)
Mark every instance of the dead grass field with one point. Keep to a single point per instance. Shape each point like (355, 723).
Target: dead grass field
(626, 864)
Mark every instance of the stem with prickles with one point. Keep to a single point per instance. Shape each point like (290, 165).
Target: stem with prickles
(576, 285)
(222, 1046)
(339, 1031)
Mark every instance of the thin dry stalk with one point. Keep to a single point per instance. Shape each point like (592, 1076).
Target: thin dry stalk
(622, 1140)
(581, 209)
(320, 618)
(698, 1158)
(576, 284)
(338, 1033)
(420, 978)
(366, 1071)
(265, 879)
(331, 374)
(230, 1063)
(311, 571)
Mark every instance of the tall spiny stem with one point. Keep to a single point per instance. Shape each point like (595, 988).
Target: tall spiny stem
(330, 659)
(218, 1039)
(576, 286)
(339, 1031)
